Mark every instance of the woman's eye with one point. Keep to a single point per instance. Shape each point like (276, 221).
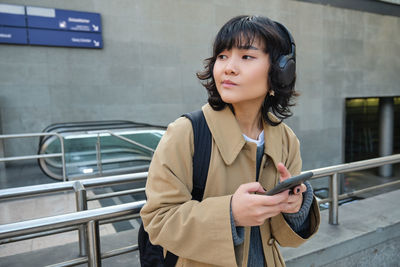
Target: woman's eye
(247, 57)
(221, 56)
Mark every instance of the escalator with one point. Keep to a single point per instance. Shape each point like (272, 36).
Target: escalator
(99, 148)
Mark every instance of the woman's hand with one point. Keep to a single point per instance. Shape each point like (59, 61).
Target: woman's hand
(251, 209)
(295, 200)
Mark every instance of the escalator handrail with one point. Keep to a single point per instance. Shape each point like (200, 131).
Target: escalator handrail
(53, 126)
(93, 125)
(89, 128)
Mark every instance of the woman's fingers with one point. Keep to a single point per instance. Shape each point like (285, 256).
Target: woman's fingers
(299, 189)
(284, 173)
(249, 209)
(293, 203)
(251, 188)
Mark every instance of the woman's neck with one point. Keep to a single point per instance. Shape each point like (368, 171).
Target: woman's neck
(249, 119)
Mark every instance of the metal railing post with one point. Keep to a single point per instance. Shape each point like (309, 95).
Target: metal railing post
(334, 204)
(64, 167)
(98, 155)
(81, 204)
(94, 252)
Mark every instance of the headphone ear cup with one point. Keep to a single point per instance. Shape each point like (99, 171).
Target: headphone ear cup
(286, 66)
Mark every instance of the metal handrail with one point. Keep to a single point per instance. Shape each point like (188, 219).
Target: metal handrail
(130, 141)
(27, 191)
(67, 229)
(117, 194)
(69, 219)
(79, 187)
(356, 166)
(321, 172)
(333, 172)
(62, 154)
(80, 190)
(89, 218)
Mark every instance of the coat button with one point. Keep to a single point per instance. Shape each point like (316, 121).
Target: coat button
(271, 241)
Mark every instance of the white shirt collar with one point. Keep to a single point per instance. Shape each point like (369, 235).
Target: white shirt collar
(259, 141)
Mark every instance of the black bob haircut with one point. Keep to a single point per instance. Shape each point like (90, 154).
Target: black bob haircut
(242, 32)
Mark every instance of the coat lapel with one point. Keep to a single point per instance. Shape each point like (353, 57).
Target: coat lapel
(225, 131)
(273, 142)
(229, 139)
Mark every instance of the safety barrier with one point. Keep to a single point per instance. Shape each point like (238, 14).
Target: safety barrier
(334, 171)
(67, 222)
(87, 221)
(79, 187)
(42, 155)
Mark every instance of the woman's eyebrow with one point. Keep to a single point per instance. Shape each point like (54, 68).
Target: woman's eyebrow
(248, 47)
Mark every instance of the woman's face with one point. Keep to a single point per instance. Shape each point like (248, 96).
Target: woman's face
(241, 75)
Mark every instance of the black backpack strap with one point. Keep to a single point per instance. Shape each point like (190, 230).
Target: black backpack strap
(202, 152)
(201, 162)
(170, 260)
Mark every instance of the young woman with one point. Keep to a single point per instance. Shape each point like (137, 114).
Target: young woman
(250, 82)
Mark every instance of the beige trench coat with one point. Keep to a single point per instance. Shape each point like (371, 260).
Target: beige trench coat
(200, 232)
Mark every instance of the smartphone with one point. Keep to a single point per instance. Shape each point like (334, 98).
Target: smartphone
(290, 183)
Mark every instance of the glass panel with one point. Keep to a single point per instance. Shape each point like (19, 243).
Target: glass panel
(117, 155)
(362, 129)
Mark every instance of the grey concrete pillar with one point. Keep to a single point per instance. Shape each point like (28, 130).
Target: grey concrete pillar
(386, 113)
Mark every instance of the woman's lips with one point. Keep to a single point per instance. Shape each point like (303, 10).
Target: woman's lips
(228, 83)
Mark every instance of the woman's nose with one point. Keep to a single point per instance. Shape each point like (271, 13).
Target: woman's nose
(231, 66)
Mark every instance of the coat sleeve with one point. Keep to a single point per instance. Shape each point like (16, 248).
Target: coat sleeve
(280, 229)
(199, 231)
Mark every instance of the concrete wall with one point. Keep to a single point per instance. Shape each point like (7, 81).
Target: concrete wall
(152, 50)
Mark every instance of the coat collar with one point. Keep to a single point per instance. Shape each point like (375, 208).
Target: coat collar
(229, 139)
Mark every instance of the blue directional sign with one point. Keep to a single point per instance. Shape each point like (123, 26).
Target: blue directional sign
(49, 26)
(65, 38)
(12, 15)
(13, 35)
(57, 19)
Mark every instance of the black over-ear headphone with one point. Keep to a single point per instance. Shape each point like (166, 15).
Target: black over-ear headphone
(287, 63)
